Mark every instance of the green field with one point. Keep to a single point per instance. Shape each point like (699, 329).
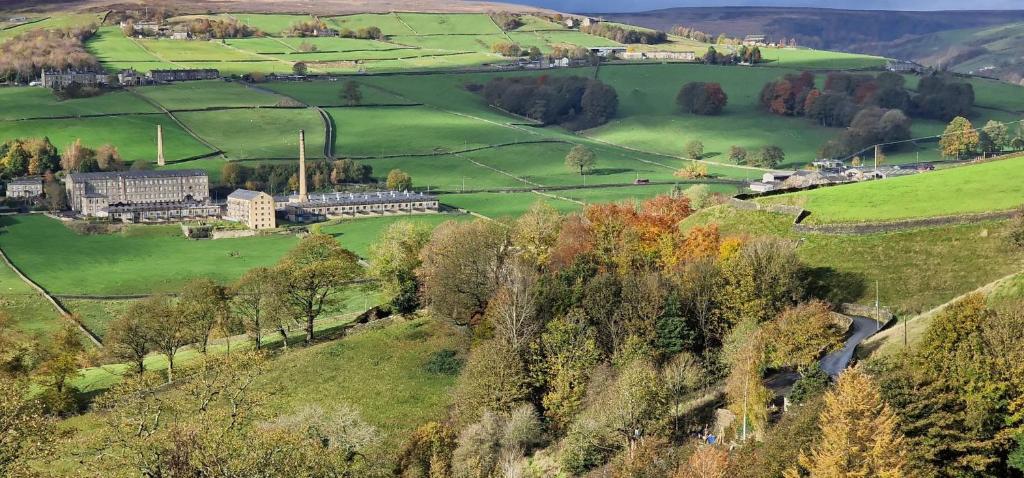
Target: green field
(633, 193)
(328, 93)
(207, 94)
(389, 23)
(447, 24)
(195, 50)
(259, 133)
(444, 173)
(109, 45)
(534, 23)
(54, 22)
(29, 311)
(133, 135)
(32, 102)
(477, 43)
(413, 129)
(991, 186)
(146, 260)
(339, 44)
(803, 58)
(498, 205)
(270, 24)
(149, 259)
(915, 270)
(359, 234)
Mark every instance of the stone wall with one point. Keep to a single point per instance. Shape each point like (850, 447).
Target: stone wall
(902, 225)
(233, 233)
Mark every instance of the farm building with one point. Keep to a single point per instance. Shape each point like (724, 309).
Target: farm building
(755, 40)
(184, 75)
(903, 66)
(57, 80)
(91, 194)
(27, 187)
(659, 55)
(253, 208)
(608, 51)
(319, 207)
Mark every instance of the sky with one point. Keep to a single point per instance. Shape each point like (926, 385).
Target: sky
(611, 6)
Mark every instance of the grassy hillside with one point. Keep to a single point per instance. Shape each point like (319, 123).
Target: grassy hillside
(991, 186)
(915, 270)
(988, 50)
(381, 372)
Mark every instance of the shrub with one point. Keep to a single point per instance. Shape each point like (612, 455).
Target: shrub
(444, 362)
(1017, 230)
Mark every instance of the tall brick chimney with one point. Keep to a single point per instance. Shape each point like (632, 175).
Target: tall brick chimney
(160, 146)
(303, 195)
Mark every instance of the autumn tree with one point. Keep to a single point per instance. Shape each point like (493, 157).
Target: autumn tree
(394, 259)
(707, 461)
(76, 156)
(702, 98)
(461, 266)
(737, 154)
(256, 301)
(694, 149)
(635, 403)
(202, 304)
(232, 174)
(568, 351)
(494, 379)
(168, 330)
(959, 139)
(770, 156)
(399, 180)
(128, 337)
(580, 158)
(746, 395)
(859, 433)
(994, 137)
(311, 274)
(26, 433)
(58, 370)
(351, 94)
(55, 194)
(536, 232)
(802, 334)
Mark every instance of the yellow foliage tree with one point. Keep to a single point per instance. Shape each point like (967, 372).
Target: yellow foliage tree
(859, 434)
(959, 138)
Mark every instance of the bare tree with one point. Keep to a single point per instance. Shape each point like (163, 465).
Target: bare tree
(513, 309)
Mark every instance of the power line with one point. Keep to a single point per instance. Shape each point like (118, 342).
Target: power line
(914, 140)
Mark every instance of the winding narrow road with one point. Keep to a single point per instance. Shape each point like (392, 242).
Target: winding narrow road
(834, 363)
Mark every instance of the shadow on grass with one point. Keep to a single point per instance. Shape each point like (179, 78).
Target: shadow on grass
(835, 286)
(608, 171)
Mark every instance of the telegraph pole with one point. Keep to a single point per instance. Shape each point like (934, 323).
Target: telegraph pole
(878, 324)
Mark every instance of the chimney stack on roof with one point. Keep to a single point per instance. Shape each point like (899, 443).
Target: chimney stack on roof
(303, 195)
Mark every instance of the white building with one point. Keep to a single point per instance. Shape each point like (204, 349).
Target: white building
(27, 187)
